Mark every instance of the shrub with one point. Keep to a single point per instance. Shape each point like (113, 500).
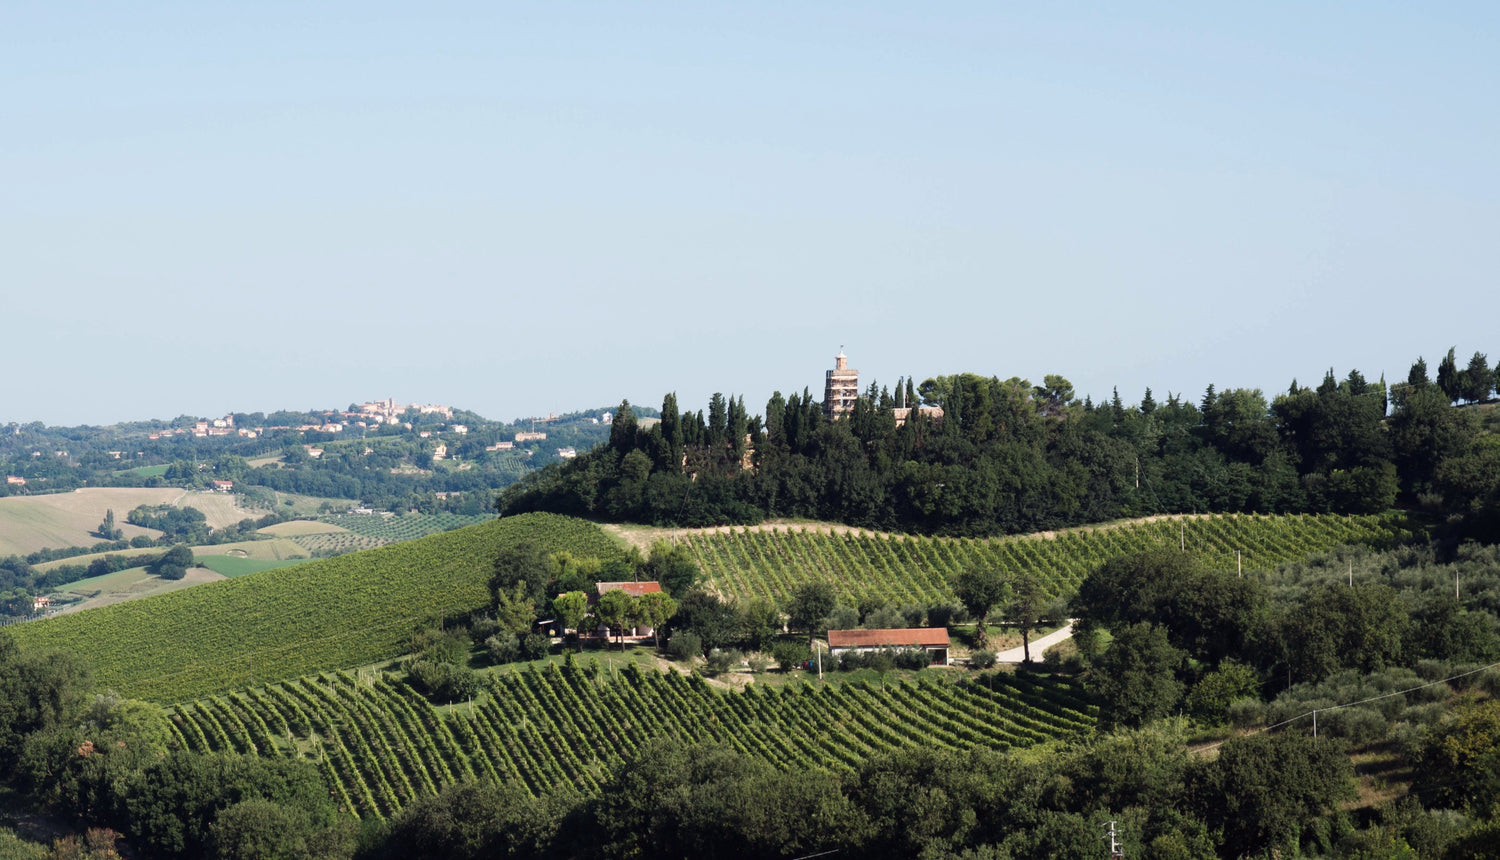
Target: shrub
(534, 646)
(721, 661)
(915, 659)
(982, 659)
(757, 663)
(442, 682)
(504, 647)
(482, 627)
(684, 646)
(1246, 713)
(789, 655)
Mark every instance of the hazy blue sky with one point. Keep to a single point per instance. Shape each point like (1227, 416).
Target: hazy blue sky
(520, 209)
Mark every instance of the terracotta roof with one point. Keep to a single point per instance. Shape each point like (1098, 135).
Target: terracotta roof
(899, 638)
(634, 589)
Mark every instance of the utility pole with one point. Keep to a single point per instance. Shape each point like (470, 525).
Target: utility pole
(1239, 564)
(1182, 537)
(1114, 844)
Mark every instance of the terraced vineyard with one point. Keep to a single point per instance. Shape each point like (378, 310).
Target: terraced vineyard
(899, 569)
(311, 617)
(380, 745)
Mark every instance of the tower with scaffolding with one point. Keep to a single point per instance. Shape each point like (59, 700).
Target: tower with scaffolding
(840, 388)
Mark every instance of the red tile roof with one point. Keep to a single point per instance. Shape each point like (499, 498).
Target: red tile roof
(899, 638)
(634, 589)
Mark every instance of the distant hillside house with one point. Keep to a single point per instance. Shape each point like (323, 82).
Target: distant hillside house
(223, 486)
(567, 453)
(460, 429)
(934, 640)
(14, 480)
(40, 603)
(501, 446)
(531, 437)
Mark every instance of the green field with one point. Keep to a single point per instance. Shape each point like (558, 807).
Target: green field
(147, 471)
(381, 746)
(232, 566)
(769, 563)
(328, 614)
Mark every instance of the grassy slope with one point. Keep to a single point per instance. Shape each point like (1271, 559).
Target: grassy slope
(31, 523)
(328, 614)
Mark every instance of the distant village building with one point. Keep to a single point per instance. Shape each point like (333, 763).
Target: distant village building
(933, 640)
(223, 486)
(902, 413)
(40, 603)
(567, 453)
(500, 446)
(460, 429)
(840, 388)
(440, 451)
(15, 481)
(531, 437)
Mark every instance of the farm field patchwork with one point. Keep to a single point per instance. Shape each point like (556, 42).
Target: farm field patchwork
(327, 614)
(381, 746)
(31, 523)
(769, 563)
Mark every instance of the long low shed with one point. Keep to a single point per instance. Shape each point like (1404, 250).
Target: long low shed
(934, 640)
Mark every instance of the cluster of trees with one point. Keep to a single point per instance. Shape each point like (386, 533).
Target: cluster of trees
(108, 764)
(1007, 456)
(1186, 637)
(1264, 795)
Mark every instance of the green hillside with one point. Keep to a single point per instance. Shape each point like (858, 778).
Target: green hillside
(312, 617)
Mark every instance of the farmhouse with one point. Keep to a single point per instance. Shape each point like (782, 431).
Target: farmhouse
(18, 481)
(934, 640)
(223, 486)
(634, 589)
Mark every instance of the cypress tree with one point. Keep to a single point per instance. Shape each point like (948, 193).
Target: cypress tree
(1447, 378)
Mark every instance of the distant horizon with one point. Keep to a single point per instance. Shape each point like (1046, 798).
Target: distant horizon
(758, 407)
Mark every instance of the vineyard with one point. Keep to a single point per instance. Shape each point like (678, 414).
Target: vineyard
(380, 745)
(312, 617)
(904, 568)
(388, 528)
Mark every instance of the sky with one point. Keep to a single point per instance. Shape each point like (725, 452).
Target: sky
(521, 209)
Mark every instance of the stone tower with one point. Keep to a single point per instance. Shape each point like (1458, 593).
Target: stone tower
(841, 387)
